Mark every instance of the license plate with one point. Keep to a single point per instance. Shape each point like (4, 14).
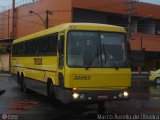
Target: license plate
(102, 97)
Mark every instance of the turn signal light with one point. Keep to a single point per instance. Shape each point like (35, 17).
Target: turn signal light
(74, 88)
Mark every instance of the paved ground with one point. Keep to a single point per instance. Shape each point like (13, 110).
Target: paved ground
(145, 99)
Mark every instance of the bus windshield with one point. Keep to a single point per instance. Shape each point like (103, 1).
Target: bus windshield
(96, 49)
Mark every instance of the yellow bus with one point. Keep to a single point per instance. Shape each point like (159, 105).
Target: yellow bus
(74, 62)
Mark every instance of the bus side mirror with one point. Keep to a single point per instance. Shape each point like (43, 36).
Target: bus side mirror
(61, 45)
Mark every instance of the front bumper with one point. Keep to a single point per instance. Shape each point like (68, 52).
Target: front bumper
(90, 96)
(110, 95)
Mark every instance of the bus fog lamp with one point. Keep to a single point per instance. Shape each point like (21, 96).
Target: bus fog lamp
(75, 95)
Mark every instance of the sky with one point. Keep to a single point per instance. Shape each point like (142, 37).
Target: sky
(151, 1)
(8, 2)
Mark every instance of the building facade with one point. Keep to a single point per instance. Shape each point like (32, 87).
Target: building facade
(142, 20)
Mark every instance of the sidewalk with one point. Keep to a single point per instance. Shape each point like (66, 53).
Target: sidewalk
(144, 73)
(7, 74)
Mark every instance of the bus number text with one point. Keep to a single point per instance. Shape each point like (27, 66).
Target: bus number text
(81, 77)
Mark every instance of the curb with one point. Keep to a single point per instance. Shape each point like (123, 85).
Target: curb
(5, 74)
(142, 74)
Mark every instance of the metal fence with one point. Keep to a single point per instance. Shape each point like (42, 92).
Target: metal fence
(17, 4)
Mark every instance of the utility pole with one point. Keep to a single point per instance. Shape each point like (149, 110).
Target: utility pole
(13, 19)
(131, 13)
(12, 35)
(46, 21)
(47, 18)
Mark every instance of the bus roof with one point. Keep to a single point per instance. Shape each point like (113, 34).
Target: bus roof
(73, 26)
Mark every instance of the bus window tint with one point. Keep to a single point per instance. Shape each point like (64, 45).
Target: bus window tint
(83, 48)
(96, 49)
(37, 46)
(52, 43)
(112, 43)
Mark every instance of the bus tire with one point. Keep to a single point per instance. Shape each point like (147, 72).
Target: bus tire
(23, 86)
(18, 78)
(51, 95)
(25, 89)
(21, 82)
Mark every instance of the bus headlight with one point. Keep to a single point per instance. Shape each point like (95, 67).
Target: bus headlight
(75, 95)
(125, 94)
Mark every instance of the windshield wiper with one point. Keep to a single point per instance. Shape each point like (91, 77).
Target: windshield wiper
(111, 60)
(114, 64)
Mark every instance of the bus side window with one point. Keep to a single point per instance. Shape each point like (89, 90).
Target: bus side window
(61, 51)
(27, 46)
(34, 47)
(30, 47)
(19, 49)
(14, 50)
(61, 45)
(23, 48)
(55, 43)
(52, 43)
(40, 45)
(45, 44)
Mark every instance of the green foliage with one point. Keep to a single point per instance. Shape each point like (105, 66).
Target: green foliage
(2, 49)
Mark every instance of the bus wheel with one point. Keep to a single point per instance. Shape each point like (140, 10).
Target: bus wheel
(51, 95)
(101, 108)
(21, 82)
(25, 89)
(18, 78)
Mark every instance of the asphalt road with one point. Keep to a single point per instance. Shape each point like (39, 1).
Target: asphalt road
(16, 105)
